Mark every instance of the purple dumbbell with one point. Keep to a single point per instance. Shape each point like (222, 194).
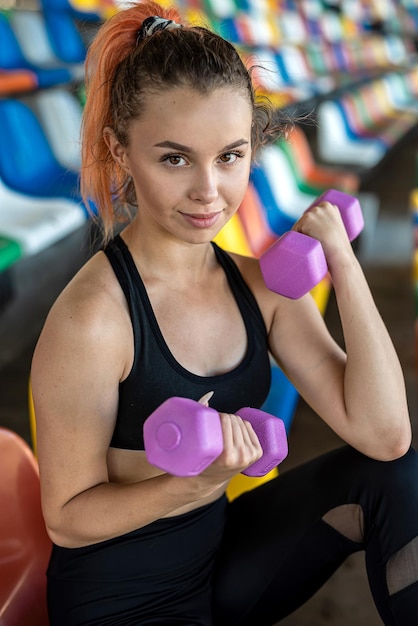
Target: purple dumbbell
(295, 263)
(271, 433)
(183, 437)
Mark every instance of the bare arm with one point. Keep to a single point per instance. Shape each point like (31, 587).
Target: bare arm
(75, 375)
(80, 358)
(360, 393)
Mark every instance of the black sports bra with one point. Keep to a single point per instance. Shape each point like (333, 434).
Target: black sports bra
(156, 375)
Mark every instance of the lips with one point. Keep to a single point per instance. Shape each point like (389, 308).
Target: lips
(202, 220)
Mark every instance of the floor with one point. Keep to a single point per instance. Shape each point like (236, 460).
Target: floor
(27, 292)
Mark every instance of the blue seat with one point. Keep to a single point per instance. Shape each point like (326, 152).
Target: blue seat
(48, 42)
(277, 186)
(12, 58)
(66, 6)
(283, 397)
(65, 37)
(278, 221)
(34, 223)
(337, 143)
(31, 166)
(60, 114)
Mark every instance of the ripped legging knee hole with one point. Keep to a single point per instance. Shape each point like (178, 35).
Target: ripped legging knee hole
(347, 519)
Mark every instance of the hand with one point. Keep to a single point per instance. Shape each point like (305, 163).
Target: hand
(323, 222)
(241, 448)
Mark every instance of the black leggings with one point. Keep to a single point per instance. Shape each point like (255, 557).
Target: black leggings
(257, 559)
(277, 550)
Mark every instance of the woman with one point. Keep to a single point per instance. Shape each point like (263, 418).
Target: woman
(171, 125)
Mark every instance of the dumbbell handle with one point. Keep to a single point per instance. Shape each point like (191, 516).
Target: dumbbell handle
(183, 437)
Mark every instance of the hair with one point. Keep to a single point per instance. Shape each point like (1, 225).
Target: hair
(122, 71)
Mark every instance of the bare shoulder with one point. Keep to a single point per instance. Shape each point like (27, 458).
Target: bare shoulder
(90, 311)
(92, 299)
(93, 287)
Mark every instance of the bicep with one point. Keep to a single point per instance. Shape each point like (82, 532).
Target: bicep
(302, 345)
(75, 388)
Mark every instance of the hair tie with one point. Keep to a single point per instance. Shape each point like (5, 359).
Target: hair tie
(153, 24)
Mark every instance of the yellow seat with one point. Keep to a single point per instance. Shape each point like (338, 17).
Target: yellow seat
(241, 483)
(232, 237)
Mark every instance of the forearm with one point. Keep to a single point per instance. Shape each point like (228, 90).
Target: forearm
(374, 389)
(111, 509)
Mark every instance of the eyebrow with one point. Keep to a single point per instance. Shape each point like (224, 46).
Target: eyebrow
(178, 146)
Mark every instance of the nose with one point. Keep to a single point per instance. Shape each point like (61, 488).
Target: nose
(204, 187)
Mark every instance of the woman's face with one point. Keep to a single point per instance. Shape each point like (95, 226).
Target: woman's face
(189, 156)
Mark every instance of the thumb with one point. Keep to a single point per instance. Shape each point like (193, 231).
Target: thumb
(205, 398)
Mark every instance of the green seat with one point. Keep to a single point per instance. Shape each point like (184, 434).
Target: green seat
(10, 252)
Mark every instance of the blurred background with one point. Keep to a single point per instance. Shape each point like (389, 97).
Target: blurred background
(346, 70)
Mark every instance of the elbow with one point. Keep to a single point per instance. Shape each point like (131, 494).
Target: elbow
(400, 449)
(62, 539)
(60, 533)
(58, 536)
(396, 445)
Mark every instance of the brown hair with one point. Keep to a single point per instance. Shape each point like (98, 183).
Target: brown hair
(122, 71)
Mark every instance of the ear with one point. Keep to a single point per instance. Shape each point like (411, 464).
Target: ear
(116, 149)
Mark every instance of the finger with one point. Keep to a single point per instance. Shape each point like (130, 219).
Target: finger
(228, 429)
(252, 435)
(250, 450)
(242, 446)
(205, 398)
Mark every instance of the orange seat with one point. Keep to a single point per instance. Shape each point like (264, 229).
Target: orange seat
(259, 235)
(17, 81)
(24, 544)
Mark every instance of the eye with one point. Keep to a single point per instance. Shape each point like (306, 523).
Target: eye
(173, 160)
(231, 157)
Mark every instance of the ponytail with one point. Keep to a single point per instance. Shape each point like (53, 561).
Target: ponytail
(101, 179)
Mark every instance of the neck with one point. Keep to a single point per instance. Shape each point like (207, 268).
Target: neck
(169, 259)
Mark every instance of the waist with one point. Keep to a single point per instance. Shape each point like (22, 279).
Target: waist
(165, 546)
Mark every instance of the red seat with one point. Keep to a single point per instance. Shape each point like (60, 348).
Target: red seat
(24, 544)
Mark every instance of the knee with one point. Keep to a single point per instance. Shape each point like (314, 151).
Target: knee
(383, 485)
(375, 474)
(392, 489)
(399, 475)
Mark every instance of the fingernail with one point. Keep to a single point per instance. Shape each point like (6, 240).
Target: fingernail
(205, 399)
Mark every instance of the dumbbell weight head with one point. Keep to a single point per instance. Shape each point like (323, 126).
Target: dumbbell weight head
(271, 433)
(183, 437)
(295, 263)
